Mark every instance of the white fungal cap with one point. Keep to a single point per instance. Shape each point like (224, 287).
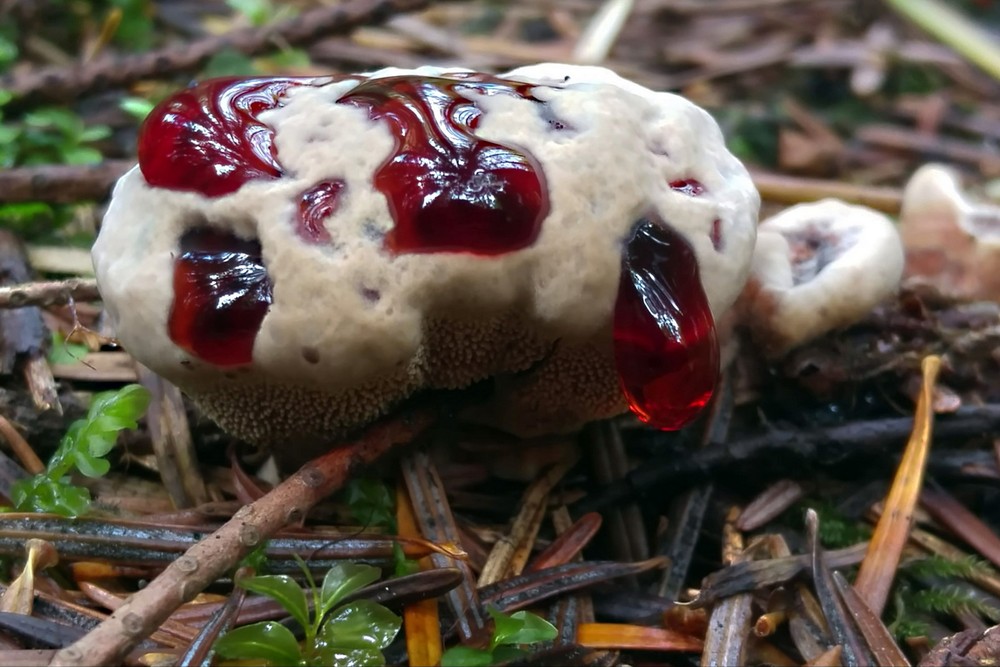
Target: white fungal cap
(818, 267)
(950, 241)
(326, 358)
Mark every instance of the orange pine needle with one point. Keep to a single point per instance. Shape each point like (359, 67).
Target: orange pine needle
(892, 531)
(634, 637)
(420, 619)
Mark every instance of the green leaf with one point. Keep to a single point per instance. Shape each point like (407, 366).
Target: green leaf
(258, 12)
(504, 627)
(8, 51)
(268, 641)
(81, 155)
(290, 59)
(465, 656)
(62, 352)
(284, 591)
(402, 565)
(136, 29)
(56, 118)
(229, 62)
(89, 465)
(328, 655)
(256, 559)
(136, 107)
(101, 443)
(371, 503)
(520, 628)
(95, 133)
(502, 654)
(360, 624)
(127, 404)
(41, 494)
(85, 444)
(341, 580)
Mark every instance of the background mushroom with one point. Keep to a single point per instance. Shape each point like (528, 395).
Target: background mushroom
(286, 258)
(818, 267)
(950, 241)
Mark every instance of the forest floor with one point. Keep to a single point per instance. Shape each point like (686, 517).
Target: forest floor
(837, 504)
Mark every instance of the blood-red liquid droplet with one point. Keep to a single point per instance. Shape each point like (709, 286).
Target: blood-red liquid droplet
(221, 295)
(207, 138)
(688, 186)
(447, 189)
(666, 349)
(316, 205)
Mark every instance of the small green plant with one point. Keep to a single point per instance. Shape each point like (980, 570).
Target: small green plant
(262, 12)
(952, 599)
(835, 530)
(345, 635)
(371, 504)
(84, 447)
(136, 31)
(510, 633)
(49, 135)
(137, 107)
(966, 567)
(933, 586)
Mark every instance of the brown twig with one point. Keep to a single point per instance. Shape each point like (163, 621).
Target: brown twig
(61, 183)
(25, 454)
(812, 445)
(170, 433)
(23, 334)
(62, 83)
(210, 558)
(795, 190)
(49, 293)
(931, 145)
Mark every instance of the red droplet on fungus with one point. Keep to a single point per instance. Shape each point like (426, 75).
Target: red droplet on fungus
(316, 205)
(221, 295)
(448, 190)
(688, 186)
(207, 138)
(665, 344)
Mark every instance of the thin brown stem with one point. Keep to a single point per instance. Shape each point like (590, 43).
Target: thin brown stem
(219, 552)
(49, 293)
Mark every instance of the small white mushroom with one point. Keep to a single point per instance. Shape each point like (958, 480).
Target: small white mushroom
(950, 242)
(818, 267)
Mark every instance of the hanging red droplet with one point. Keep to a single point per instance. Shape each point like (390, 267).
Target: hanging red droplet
(207, 138)
(665, 343)
(221, 294)
(316, 205)
(448, 190)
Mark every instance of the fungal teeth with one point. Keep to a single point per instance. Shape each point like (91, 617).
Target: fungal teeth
(665, 343)
(221, 295)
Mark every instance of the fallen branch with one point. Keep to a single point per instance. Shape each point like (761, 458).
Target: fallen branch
(61, 183)
(219, 552)
(786, 189)
(49, 293)
(790, 447)
(65, 83)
